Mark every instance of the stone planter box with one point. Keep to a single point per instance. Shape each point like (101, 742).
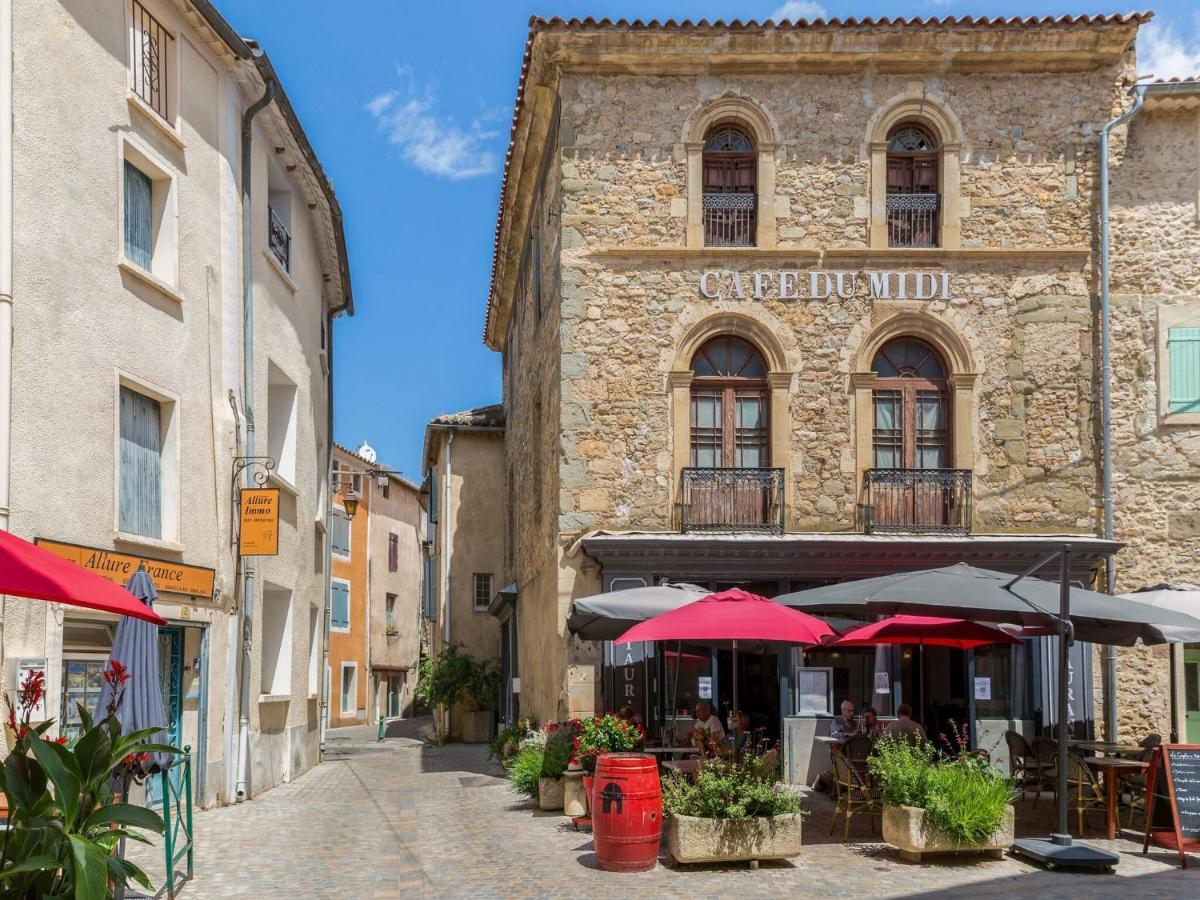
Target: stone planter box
(474, 725)
(695, 840)
(550, 793)
(908, 830)
(575, 801)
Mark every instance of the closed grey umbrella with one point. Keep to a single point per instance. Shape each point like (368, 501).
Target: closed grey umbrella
(983, 595)
(135, 646)
(605, 617)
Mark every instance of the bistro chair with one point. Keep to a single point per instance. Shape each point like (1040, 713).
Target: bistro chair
(858, 747)
(853, 794)
(1135, 784)
(1045, 754)
(1084, 792)
(1150, 741)
(1022, 763)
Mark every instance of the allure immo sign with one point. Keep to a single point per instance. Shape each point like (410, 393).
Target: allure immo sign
(724, 284)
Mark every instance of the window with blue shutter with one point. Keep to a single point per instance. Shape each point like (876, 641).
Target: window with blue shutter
(339, 605)
(140, 480)
(431, 478)
(429, 587)
(1183, 377)
(340, 533)
(139, 216)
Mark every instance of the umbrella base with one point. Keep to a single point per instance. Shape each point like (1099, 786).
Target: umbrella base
(1060, 850)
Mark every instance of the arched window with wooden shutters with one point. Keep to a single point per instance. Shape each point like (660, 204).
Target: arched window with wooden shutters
(730, 187)
(911, 486)
(913, 197)
(729, 406)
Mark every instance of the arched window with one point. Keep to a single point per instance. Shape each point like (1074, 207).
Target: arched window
(730, 187)
(912, 186)
(729, 406)
(911, 429)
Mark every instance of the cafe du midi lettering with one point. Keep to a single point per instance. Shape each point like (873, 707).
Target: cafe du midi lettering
(726, 284)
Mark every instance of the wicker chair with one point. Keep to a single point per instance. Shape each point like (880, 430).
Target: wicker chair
(858, 747)
(1022, 764)
(1135, 785)
(853, 794)
(1150, 741)
(1045, 752)
(1084, 792)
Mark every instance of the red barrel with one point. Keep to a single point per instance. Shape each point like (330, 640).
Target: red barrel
(626, 806)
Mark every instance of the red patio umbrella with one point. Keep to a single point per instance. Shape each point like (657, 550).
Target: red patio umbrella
(925, 631)
(736, 616)
(928, 631)
(27, 570)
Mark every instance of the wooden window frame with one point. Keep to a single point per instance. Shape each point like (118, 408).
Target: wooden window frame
(909, 389)
(730, 389)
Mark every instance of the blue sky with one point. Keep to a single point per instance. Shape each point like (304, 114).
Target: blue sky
(408, 105)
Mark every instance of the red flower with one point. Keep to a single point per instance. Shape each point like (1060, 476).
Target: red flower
(31, 691)
(116, 674)
(61, 739)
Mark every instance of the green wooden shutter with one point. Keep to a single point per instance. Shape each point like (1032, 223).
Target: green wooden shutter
(339, 605)
(138, 215)
(140, 481)
(340, 537)
(1183, 378)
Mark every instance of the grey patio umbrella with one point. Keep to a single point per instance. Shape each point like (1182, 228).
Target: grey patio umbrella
(982, 594)
(135, 646)
(605, 617)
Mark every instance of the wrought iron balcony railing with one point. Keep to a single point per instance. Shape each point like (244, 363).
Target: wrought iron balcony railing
(912, 220)
(280, 240)
(917, 500)
(731, 500)
(729, 220)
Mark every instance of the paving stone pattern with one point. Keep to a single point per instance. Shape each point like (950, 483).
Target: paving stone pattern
(400, 819)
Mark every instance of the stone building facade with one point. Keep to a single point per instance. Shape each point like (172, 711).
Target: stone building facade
(613, 279)
(136, 383)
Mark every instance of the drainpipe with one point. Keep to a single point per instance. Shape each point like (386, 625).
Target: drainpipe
(248, 411)
(446, 553)
(326, 610)
(1110, 574)
(6, 272)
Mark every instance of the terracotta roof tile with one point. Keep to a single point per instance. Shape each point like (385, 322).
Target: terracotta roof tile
(481, 417)
(539, 23)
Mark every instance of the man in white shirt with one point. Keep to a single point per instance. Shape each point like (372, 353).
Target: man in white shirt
(707, 732)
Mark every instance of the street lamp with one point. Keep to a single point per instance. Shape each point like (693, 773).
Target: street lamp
(350, 503)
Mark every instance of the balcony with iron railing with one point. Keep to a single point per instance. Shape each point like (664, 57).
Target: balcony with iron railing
(279, 240)
(920, 501)
(730, 219)
(912, 220)
(718, 500)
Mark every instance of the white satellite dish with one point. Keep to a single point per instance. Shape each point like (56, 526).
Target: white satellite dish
(366, 453)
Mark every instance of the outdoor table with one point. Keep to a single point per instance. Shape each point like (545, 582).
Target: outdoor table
(1105, 747)
(672, 752)
(1114, 769)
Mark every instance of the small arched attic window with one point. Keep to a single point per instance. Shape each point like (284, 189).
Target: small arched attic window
(730, 187)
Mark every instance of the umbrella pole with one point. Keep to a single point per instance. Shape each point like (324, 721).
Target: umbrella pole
(734, 717)
(675, 695)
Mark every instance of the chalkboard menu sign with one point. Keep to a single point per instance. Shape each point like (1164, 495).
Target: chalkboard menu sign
(1173, 799)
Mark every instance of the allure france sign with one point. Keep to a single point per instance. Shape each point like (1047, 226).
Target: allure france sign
(786, 284)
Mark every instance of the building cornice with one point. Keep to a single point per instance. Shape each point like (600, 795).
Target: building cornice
(887, 256)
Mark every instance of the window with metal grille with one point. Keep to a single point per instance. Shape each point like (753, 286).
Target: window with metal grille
(151, 49)
(730, 188)
(140, 480)
(912, 187)
(393, 552)
(1183, 375)
(483, 590)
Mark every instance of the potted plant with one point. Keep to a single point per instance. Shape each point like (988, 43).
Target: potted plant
(455, 677)
(525, 770)
(64, 818)
(603, 734)
(556, 757)
(731, 812)
(955, 805)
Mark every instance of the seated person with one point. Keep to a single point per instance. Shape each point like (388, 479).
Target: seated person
(740, 736)
(904, 725)
(707, 732)
(845, 724)
(871, 724)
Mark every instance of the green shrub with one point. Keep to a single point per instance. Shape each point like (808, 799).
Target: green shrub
(525, 771)
(507, 742)
(965, 797)
(455, 676)
(560, 748)
(724, 790)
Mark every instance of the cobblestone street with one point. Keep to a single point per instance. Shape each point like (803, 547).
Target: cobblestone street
(398, 819)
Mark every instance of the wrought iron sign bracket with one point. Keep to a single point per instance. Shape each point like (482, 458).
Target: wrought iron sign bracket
(259, 468)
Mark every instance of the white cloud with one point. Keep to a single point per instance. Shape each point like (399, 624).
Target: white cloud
(429, 141)
(799, 9)
(1163, 53)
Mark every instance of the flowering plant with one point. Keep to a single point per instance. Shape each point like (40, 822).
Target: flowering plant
(65, 819)
(605, 734)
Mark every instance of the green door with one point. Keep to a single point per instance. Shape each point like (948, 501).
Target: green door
(1191, 691)
(170, 667)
